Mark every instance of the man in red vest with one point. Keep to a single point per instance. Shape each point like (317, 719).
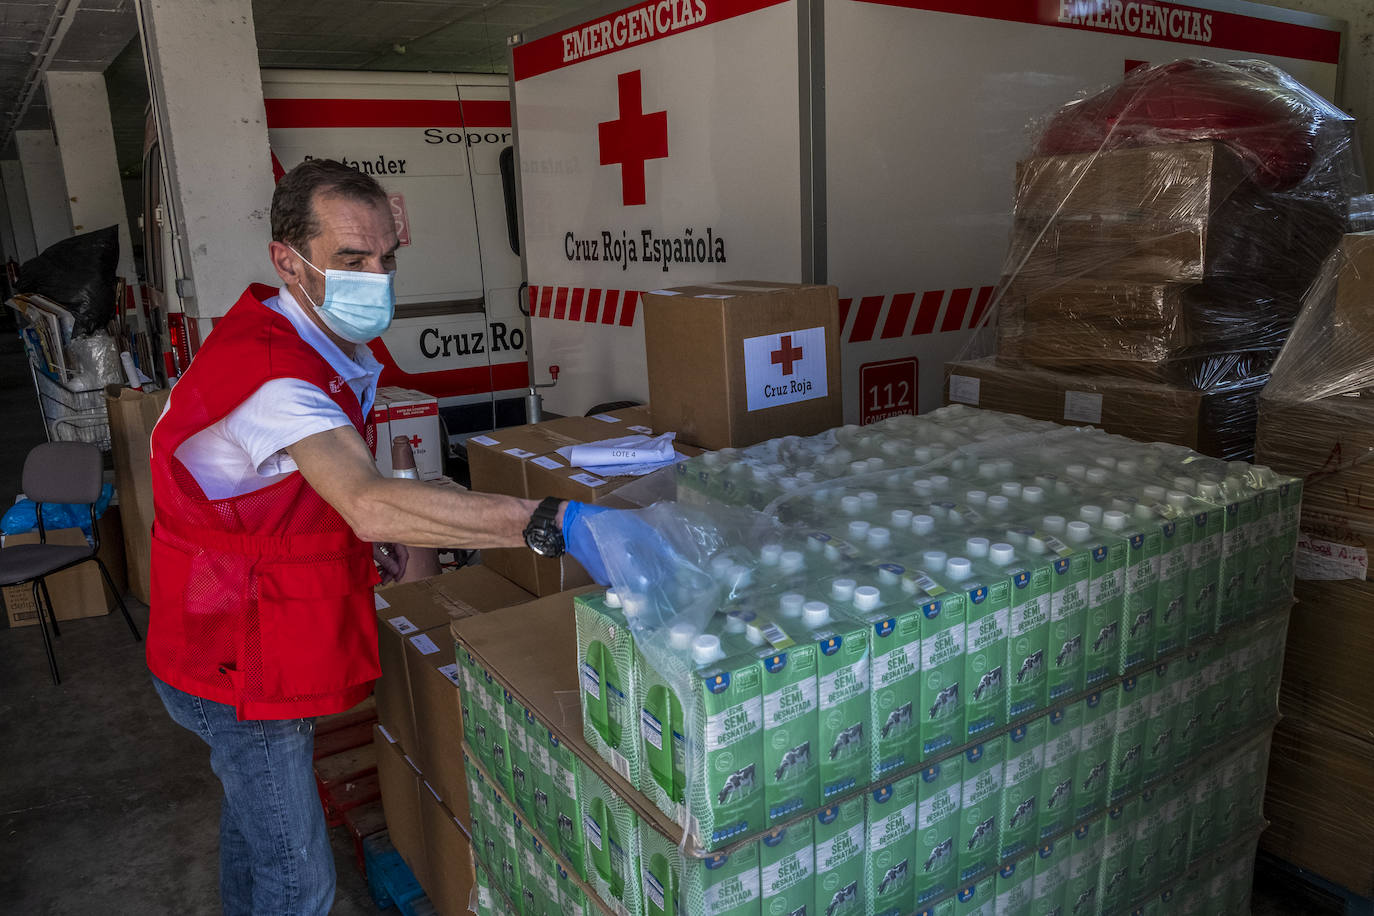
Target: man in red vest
(269, 514)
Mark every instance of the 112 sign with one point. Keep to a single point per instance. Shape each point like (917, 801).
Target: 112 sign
(889, 389)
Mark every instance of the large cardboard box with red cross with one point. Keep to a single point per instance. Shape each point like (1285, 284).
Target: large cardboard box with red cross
(406, 412)
(868, 144)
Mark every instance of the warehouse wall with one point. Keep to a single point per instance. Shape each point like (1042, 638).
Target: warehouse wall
(1357, 96)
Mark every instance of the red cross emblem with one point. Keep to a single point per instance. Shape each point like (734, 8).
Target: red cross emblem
(786, 355)
(415, 441)
(633, 139)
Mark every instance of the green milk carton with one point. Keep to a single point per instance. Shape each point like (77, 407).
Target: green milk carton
(509, 869)
(1286, 543)
(1189, 717)
(1115, 887)
(945, 907)
(571, 899)
(938, 821)
(1056, 800)
(980, 803)
(567, 805)
(1085, 864)
(791, 725)
(1136, 635)
(605, 657)
(610, 828)
(1069, 587)
(1095, 752)
(1202, 828)
(843, 697)
(541, 767)
(894, 676)
(1157, 754)
(841, 840)
(941, 696)
(1028, 630)
(985, 648)
(481, 708)
(1175, 560)
(661, 873)
(1016, 888)
(1018, 821)
(662, 728)
(1128, 745)
(724, 719)
(890, 873)
(1175, 811)
(978, 898)
(499, 732)
(1204, 575)
(724, 885)
(1052, 860)
(787, 869)
(1216, 703)
(1106, 599)
(1149, 834)
(521, 769)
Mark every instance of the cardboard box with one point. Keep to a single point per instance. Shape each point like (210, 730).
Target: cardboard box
(400, 783)
(1355, 283)
(77, 592)
(1220, 424)
(538, 575)
(637, 419)
(1326, 678)
(497, 460)
(432, 670)
(132, 417)
(737, 363)
(554, 476)
(415, 415)
(1319, 804)
(448, 854)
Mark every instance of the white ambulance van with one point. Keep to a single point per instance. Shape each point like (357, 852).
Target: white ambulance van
(440, 144)
(866, 143)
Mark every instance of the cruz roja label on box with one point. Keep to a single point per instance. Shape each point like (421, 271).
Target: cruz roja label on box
(784, 368)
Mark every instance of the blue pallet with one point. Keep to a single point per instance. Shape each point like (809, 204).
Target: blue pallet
(1353, 904)
(390, 880)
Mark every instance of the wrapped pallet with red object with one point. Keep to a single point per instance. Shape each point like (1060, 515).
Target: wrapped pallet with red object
(1166, 228)
(1316, 421)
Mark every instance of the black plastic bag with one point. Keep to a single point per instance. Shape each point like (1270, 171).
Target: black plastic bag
(78, 274)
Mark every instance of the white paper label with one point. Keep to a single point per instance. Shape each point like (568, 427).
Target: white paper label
(544, 461)
(604, 418)
(662, 292)
(784, 368)
(484, 440)
(382, 603)
(451, 672)
(386, 734)
(1083, 406)
(587, 480)
(402, 625)
(424, 644)
(519, 453)
(963, 389)
(1320, 559)
(642, 430)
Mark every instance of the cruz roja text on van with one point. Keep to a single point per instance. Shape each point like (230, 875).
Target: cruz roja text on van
(624, 249)
(435, 344)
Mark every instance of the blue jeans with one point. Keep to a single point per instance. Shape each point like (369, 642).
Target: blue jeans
(274, 852)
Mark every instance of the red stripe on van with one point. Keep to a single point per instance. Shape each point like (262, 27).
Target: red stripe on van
(593, 301)
(897, 314)
(627, 311)
(612, 300)
(385, 113)
(981, 305)
(575, 307)
(448, 383)
(928, 312)
(866, 319)
(533, 299)
(545, 301)
(954, 312)
(560, 302)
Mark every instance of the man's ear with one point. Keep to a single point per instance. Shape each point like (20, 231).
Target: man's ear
(285, 262)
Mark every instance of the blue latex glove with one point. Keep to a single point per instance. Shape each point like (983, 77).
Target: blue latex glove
(579, 541)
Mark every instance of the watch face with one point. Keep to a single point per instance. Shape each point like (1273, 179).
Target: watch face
(544, 542)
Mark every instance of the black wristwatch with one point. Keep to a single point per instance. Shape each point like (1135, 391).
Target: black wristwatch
(542, 534)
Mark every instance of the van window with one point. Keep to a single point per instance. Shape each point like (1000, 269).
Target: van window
(507, 162)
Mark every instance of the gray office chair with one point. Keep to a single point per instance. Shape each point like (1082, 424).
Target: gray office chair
(58, 472)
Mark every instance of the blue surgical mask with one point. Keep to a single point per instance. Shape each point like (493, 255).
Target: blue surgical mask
(358, 305)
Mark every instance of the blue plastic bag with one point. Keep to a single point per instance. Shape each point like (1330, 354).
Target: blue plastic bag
(21, 517)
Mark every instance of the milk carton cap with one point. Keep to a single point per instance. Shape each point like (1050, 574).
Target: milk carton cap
(1177, 499)
(1144, 513)
(998, 504)
(987, 469)
(940, 483)
(875, 464)
(901, 518)
(868, 499)
(858, 467)
(1186, 484)
(805, 477)
(958, 568)
(1091, 514)
(1097, 476)
(934, 560)
(612, 598)
(976, 498)
(1054, 524)
(1113, 520)
(1154, 493)
(851, 505)
(791, 561)
(923, 488)
(842, 589)
(879, 538)
(1106, 461)
(922, 454)
(720, 563)
(1209, 490)
(922, 524)
(858, 529)
(706, 649)
(976, 547)
(815, 614)
(753, 634)
(1076, 471)
(680, 636)
(866, 598)
(1036, 546)
(735, 623)
(634, 602)
(1127, 467)
(769, 554)
(711, 459)
(1005, 467)
(1033, 495)
(1002, 554)
(1011, 489)
(790, 604)
(1078, 531)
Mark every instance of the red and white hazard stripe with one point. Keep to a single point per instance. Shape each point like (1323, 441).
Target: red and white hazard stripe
(884, 317)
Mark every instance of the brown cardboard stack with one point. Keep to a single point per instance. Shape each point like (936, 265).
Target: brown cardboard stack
(420, 728)
(1317, 421)
(132, 417)
(79, 591)
(732, 364)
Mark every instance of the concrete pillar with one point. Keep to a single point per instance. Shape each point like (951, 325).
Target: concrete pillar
(202, 63)
(17, 201)
(8, 249)
(85, 143)
(45, 186)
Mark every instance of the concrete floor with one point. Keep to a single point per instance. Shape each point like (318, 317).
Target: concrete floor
(107, 806)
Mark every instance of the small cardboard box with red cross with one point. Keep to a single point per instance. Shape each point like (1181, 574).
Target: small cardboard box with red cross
(732, 364)
(406, 412)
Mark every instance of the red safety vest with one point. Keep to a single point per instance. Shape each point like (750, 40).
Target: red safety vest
(262, 601)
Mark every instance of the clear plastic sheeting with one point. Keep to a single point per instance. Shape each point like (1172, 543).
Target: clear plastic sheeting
(1165, 229)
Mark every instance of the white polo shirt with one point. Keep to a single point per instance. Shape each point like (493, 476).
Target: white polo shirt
(245, 451)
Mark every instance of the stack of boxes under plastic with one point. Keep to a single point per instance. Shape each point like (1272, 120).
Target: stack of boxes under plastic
(1317, 421)
(1164, 233)
(967, 673)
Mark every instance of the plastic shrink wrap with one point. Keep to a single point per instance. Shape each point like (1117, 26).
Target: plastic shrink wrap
(1317, 421)
(1166, 229)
